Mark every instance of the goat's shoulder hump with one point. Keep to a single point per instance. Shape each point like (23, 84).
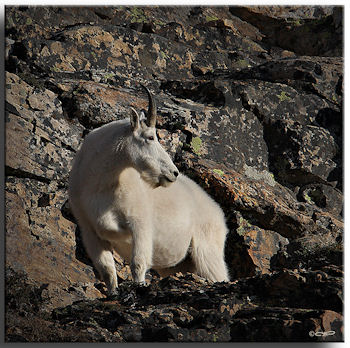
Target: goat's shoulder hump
(113, 127)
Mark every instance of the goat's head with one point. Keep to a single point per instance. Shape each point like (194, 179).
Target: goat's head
(146, 153)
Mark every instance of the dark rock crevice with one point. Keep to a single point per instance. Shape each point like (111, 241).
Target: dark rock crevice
(19, 173)
(205, 93)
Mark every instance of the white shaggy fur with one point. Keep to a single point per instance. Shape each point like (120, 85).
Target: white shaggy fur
(127, 195)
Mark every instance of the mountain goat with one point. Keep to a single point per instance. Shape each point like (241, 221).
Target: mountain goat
(127, 195)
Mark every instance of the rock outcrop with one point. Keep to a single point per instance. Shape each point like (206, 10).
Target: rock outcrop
(250, 103)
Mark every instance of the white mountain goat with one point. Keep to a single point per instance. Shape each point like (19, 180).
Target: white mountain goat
(127, 195)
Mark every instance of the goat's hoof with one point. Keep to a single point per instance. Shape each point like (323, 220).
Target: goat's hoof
(112, 293)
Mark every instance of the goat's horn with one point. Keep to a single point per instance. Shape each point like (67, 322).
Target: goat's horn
(152, 109)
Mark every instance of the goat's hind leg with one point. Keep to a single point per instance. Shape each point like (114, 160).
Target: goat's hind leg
(208, 256)
(101, 256)
(209, 263)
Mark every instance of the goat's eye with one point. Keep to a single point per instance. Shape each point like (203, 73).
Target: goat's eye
(151, 137)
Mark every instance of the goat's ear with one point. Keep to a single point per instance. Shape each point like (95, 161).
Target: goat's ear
(134, 119)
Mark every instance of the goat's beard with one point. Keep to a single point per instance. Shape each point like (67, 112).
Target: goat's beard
(163, 181)
(151, 179)
(155, 180)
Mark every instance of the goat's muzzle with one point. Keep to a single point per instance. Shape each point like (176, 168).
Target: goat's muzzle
(169, 178)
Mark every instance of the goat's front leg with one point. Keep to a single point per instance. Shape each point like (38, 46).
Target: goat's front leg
(142, 251)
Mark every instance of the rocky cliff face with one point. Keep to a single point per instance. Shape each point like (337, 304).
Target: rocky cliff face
(250, 106)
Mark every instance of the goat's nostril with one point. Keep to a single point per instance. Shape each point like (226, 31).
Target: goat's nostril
(176, 173)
